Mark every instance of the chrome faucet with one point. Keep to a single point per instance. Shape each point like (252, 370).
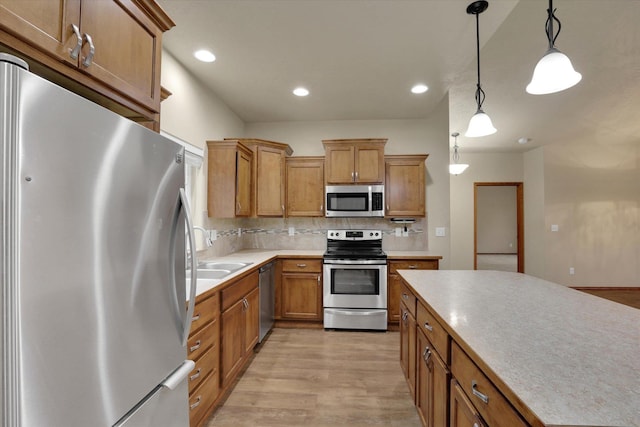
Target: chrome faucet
(207, 236)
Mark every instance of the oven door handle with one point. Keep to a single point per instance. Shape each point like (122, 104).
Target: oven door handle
(355, 262)
(357, 313)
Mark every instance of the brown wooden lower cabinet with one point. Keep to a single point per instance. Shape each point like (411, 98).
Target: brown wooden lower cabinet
(463, 413)
(394, 280)
(239, 326)
(203, 348)
(448, 387)
(299, 295)
(432, 383)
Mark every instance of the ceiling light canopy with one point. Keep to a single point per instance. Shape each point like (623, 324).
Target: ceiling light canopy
(456, 168)
(419, 88)
(204, 55)
(480, 124)
(300, 91)
(554, 72)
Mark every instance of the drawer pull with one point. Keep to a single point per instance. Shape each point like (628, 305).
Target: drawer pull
(476, 393)
(405, 296)
(428, 327)
(196, 403)
(413, 267)
(426, 354)
(301, 265)
(75, 53)
(196, 375)
(196, 317)
(92, 50)
(195, 346)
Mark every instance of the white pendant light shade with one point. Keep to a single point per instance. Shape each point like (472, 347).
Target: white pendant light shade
(480, 125)
(457, 168)
(554, 73)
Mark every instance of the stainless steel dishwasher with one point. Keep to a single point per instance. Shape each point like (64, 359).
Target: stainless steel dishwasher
(267, 299)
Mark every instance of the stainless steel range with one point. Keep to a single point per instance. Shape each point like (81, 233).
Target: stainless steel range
(355, 280)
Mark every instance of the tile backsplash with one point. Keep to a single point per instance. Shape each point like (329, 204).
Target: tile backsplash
(308, 233)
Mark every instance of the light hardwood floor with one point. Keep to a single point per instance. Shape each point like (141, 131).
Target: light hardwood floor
(312, 378)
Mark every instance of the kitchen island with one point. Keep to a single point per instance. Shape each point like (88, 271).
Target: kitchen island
(560, 357)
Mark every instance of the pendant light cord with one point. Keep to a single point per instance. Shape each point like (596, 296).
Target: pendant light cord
(548, 26)
(480, 95)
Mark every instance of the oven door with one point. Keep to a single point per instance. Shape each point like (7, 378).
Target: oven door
(355, 285)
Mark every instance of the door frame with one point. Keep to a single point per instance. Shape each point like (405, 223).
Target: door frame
(519, 219)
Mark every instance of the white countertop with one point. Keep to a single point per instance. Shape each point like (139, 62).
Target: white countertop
(253, 256)
(571, 357)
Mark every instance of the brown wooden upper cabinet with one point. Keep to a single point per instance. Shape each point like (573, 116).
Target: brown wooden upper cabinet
(405, 185)
(97, 48)
(228, 179)
(305, 186)
(354, 161)
(268, 176)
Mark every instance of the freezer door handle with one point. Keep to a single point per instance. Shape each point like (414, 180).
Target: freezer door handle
(176, 377)
(194, 267)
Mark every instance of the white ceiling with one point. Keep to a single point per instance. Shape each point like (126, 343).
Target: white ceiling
(359, 58)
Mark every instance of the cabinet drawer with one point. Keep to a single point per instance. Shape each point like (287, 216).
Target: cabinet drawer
(492, 405)
(239, 290)
(202, 398)
(202, 340)
(205, 365)
(408, 299)
(434, 332)
(205, 311)
(302, 265)
(394, 266)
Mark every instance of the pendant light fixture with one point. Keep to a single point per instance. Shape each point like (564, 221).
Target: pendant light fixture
(554, 72)
(480, 124)
(456, 168)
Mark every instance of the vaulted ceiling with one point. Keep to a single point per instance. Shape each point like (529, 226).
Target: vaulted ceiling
(359, 59)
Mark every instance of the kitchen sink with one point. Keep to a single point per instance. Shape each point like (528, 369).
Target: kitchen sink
(229, 266)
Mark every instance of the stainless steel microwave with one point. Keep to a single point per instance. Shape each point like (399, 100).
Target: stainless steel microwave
(354, 201)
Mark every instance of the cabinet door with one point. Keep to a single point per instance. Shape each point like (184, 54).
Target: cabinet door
(340, 164)
(301, 296)
(127, 49)
(393, 297)
(305, 187)
(369, 164)
(463, 414)
(269, 182)
(45, 24)
(432, 382)
(405, 186)
(252, 320)
(408, 348)
(243, 184)
(232, 341)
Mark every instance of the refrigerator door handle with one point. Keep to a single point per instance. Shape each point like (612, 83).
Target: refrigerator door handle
(194, 267)
(176, 377)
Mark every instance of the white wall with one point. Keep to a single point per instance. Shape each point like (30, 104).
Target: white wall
(534, 227)
(483, 167)
(194, 114)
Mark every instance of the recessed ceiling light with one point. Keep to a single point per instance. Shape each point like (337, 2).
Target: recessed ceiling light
(300, 91)
(523, 140)
(204, 55)
(419, 88)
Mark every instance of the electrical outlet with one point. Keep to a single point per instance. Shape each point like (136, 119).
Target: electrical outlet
(239, 231)
(398, 231)
(292, 231)
(441, 232)
(405, 232)
(554, 227)
(572, 271)
(213, 235)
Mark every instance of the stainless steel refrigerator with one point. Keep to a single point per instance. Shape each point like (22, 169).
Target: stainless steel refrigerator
(94, 320)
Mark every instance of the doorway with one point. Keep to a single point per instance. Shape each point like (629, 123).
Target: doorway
(498, 226)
